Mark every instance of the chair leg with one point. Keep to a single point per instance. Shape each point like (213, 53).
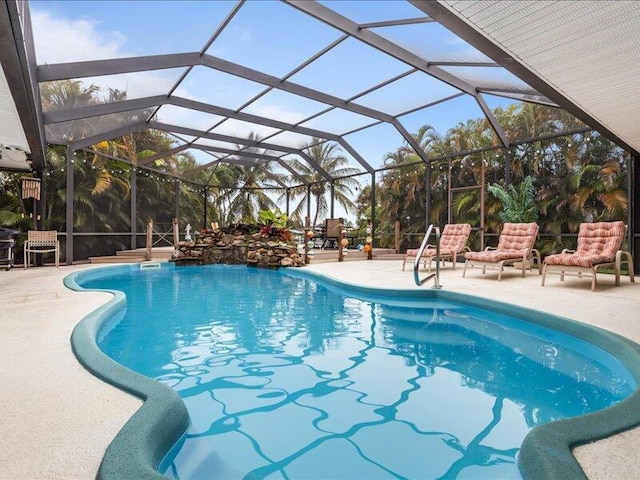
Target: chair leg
(404, 262)
(544, 274)
(593, 281)
(501, 265)
(630, 266)
(464, 270)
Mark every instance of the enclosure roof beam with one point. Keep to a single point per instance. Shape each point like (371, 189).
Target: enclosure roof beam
(118, 132)
(129, 65)
(96, 68)
(129, 162)
(271, 176)
(138, 64)
(260, 156)
(68, 115)
(346, 25)
(242, 141)
(147, 102)
(395, 23)
(502, 136)
(161, 155)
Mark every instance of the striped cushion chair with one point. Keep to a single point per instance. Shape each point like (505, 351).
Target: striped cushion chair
(599, 246)
(453, 241)
(515, 247)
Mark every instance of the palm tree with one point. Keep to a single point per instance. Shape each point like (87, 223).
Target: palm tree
(329, 157)
(249, 196)
(249, 183)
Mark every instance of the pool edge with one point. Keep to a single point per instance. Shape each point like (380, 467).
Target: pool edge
(144, 440)
(546, 451)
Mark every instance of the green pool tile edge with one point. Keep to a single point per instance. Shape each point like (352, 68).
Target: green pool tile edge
(546, 450)
(144, 440)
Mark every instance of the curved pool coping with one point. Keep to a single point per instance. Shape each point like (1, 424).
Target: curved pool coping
(142, 443)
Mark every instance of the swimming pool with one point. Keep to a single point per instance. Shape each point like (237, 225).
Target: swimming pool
(310, 383)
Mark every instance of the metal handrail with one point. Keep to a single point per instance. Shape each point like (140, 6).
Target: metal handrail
(416, 263)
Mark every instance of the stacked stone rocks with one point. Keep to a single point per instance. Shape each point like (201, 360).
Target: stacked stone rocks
(269, 253)
(234, 247)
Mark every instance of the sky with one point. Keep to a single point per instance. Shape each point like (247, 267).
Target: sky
(274, 38)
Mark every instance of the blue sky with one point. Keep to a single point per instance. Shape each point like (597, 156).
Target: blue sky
(274, 38)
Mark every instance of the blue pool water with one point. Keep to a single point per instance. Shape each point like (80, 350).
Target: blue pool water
(285, 377)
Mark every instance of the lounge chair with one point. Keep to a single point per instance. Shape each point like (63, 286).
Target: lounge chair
(515, 247)
(599, 246)
(41, 241)
(453, 241)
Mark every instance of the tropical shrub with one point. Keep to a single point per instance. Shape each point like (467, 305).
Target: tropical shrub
(518, 205)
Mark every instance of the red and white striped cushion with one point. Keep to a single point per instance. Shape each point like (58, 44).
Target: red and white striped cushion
(518, 236)
(453, 239)
(516, 240)
(494, 255)
(597, 243)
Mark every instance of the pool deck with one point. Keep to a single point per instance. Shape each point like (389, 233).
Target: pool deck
(57, 419)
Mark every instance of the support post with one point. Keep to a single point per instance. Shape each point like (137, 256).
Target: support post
(43, 198)
(176, 199)
(287, 200)
(341, 235)
(373, 208)
(69, 208)
(634, 209)
(427, 195)
(149, 242)
(309, 202)
(332, 189)
(206, 201)
(134, 208)
(307, 239)
(176, 233)
(507, 168)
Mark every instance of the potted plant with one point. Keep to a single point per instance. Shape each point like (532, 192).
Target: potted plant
(274, 224)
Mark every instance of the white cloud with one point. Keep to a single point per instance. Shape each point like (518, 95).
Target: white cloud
(59, 40)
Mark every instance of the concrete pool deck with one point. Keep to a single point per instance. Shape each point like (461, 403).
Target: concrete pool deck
(57, 419)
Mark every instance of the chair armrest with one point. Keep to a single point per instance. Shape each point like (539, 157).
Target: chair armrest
(466, 249)
(489, 248)
(567, 250)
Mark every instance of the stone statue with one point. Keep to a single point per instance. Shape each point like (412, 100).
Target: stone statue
(187, 236)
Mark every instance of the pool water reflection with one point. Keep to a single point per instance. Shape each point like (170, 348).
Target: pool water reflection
(285, 377)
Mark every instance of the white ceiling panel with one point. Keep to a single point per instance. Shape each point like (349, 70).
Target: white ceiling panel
(586, 50)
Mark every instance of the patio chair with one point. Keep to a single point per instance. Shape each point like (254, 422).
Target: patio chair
(41, 241)
(515, 247)
(453, 241)
(599, 246)
(331, 232)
